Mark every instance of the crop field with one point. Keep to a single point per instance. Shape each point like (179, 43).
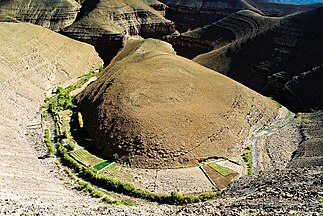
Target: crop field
(220, 169)
(101, 165)
(86, 158)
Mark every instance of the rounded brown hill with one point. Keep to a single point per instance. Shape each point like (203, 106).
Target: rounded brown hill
(155, 109)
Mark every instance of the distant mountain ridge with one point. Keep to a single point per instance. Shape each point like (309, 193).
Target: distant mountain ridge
(298, 1)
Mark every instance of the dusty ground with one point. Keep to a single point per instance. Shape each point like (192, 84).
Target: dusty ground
(30, 64)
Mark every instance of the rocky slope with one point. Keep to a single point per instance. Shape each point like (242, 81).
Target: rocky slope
(156, 109)
(310, 149)
(107, 22)
(30, 64)
(290, 52)
(54, 15)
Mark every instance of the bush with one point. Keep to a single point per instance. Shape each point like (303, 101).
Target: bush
(247, 157)
(80, 119)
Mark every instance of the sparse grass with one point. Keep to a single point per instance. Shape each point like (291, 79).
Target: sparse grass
(246, 156)
(220, 169)
(276, 102)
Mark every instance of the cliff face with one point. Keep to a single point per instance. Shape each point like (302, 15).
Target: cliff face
(271, 59)
(54, 15)
(109, 21)
(155, 109)
(198, 13)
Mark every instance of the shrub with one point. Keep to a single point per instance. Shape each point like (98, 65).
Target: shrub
(246, 156)
(80, 119)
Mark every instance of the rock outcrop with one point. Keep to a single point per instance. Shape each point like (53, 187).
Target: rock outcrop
(157, 5)
(107, 22)
(32, 60)
(155, 109)
(278, 57)
(54, 15)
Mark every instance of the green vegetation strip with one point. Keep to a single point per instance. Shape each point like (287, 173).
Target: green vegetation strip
(85, 157)
(62, 101)
(51, 150)
(102, 165)
(246, 156)
(220, 169)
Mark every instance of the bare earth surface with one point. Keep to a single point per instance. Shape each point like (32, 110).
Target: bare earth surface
(30, 64)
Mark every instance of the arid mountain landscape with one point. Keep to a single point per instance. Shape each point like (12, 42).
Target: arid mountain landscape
(161, 107)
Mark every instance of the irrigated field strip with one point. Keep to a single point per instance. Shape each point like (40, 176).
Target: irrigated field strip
(85, 157)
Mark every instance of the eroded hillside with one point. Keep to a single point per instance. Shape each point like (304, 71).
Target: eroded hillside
(54, 15)
(30, 64)
(277, 60)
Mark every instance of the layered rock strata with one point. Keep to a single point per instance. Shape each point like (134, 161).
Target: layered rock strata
(192, 14)
(155, 109)
(108, 22)
(276, 62)
(240, 26)
(54, 15)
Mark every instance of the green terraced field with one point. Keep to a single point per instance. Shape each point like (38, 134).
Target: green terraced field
(101, 165)
(222, 170)
(85, 157)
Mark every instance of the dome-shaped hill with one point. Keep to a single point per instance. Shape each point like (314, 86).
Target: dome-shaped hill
(156, 109)
(267, 62)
